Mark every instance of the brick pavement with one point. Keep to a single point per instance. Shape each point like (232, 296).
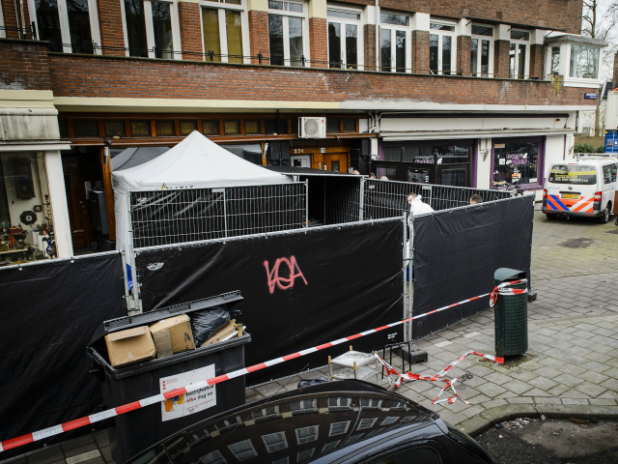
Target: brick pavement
(573, 344)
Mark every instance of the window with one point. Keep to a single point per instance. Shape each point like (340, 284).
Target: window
(285, 460)
(231, 127)
(389, 173)
(2, 31)
(214, 457)
(369, 403)
(330, 446)
(114, 128)
(332, 125)
(375, 432)
(481, 51)
(210, 127)
(140, 128)
(366, 423)
(69, 26)
(394, 42)
(243, 450)
(271, 411)
(573, 174)
(151, 28)
(354, 438)
(337, 428)
(339, 402)
(516, 162)
(252, 126)
(518, 61)
(555, 60)
(224, 26)
(344, 39)
(304, 455)
(86, 129)
(275, 441)
(349, 125)
(442, 53)
(398, 404)
(62, 127)
(165, 128)
(584, 61)
(285, 33)
(303, 405)
(228, 424)
(389, 420)
(186, 127)
(307, 434)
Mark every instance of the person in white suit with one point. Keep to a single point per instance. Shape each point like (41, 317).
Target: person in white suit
(416, 207)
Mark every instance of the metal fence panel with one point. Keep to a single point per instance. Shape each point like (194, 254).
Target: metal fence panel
(164, 217)
(384, 199)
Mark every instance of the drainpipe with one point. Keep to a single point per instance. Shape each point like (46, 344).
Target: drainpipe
(377, 35)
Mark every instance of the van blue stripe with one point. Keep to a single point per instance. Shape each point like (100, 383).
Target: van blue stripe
(555, 197)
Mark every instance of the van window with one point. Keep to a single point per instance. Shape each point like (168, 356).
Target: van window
(573, 174)
(609, 173)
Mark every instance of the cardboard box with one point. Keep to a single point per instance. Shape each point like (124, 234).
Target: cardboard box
(172, 335)
(222, 334)
(130, 346)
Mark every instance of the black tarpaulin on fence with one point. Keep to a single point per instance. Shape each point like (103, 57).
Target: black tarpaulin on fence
(300, 288)
(48, 314)
(456, 253)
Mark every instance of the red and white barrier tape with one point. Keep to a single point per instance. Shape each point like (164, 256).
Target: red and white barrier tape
(503, 289)
(397, 379)
(100, 416)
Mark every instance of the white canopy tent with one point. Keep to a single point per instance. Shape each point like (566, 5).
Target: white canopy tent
(194, 163)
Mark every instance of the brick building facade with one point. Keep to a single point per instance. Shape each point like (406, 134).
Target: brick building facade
(426, 91)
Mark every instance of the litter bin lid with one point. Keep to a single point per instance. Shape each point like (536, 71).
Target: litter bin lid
(127, 322)
(504, 273)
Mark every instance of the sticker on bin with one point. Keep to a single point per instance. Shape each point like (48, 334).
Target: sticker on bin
(191, 402)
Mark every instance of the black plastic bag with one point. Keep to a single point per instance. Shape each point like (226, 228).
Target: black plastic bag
(307, 383)
(207, 323)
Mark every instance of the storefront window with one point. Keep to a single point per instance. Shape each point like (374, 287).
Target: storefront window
(26, 227)
(584, 61)
(516, 163)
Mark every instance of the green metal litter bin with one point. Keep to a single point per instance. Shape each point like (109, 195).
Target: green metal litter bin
(511, 316)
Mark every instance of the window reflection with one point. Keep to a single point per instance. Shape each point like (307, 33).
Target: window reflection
(162, 25)
(79, 26)
(48, 23)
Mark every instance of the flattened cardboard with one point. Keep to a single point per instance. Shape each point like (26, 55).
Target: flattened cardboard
(226, 331)
(130, 346)
(179, 333)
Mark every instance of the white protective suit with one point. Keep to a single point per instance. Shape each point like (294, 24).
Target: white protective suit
(417, 207)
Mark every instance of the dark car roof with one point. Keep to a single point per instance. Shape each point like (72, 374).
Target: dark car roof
(330, 419)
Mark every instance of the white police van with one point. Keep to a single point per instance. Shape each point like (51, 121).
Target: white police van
(583, 187)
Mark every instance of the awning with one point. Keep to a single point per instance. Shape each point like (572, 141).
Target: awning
(452, 135)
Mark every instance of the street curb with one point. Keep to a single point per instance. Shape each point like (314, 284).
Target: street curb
(478, 424)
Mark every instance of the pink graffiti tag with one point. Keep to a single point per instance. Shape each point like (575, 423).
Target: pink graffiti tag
(274, 279)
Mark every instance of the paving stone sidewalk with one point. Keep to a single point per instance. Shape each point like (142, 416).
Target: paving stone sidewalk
(573, 344)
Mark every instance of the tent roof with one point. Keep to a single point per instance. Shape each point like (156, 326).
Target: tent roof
(196, 162)
(132, 157)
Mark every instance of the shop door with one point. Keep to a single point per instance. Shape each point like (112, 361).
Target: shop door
(337, 162)
(79, 215)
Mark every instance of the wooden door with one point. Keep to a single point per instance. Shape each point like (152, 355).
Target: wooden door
(337, 162)
(79, 215)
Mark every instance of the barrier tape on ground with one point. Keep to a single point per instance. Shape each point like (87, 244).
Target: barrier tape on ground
(58, 429)
(397, 379)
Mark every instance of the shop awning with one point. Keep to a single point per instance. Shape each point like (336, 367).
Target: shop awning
(452, 135)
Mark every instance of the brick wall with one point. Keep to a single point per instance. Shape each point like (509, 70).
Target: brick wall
(11, 17)
(560, 14)
(463, 55)
(318, 42)
(189, 16)
(110, 22)
(420, 52)
(97, 76)
(24, 65)
(502, 49)
(258, 33)
(369, 37)
(537, 61)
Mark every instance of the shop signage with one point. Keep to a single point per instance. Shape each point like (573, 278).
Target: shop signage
(297, 151)
(591, 96)
(499, 145)
(516, 158)
(190, 403)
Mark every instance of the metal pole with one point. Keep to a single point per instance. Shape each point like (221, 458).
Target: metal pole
(131, 258)
(306, 203)
(361, 200)
(225, 211)
(127, 296)
(405, 267)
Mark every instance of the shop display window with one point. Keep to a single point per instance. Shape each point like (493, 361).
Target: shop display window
(26, 226)
(517, 162)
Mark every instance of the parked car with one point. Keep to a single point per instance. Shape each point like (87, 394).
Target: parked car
(336, 422)
(584, 187)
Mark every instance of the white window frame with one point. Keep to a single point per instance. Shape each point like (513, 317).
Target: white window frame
(395, 27)
(306, 458)
(371, 420)
(304, 16)
(306, 438)
(565, 66)
(278, 434)
(370, 400)
(330, 430)
(527, 58)
(244, 19)
(302, 409)
(243, 441)
(264, 414)
(217, 454)
(453, 35)
(360, 46)
(2, 31)
(150, 28)
(65, 31)
(339, 402)
(491, 39)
